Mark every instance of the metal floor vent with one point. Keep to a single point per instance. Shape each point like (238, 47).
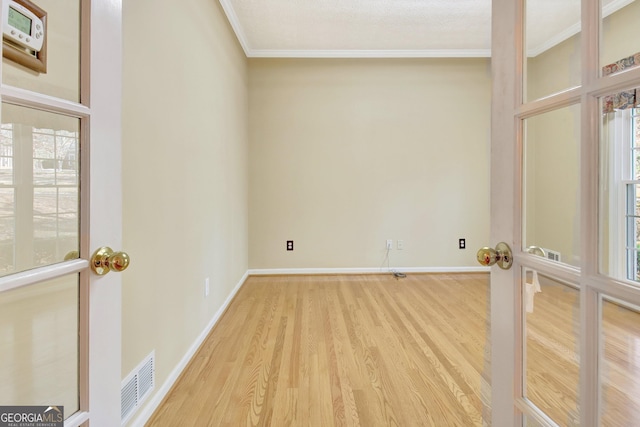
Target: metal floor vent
(136, 387)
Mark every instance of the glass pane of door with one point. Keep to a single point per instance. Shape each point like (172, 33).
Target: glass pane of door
(552, 47)
(619, 214)
(39, 188)
(551, 178)
(39, 344)
(552, 364)
(620, 360)
(620, 46)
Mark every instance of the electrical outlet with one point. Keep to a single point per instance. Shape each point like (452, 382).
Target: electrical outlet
(400, 245)
(389, 244)
(462, 243)
(206, 287)
(289, 245)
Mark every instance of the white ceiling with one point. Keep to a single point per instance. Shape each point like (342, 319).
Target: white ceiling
(391, 28)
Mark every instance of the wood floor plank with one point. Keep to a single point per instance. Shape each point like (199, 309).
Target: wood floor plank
(341, 350)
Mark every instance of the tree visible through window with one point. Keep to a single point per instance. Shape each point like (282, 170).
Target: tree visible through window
(37, 165)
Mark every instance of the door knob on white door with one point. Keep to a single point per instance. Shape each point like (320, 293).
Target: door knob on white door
(105, 260)
(501, 255)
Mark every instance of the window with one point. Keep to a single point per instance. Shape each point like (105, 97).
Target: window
(631, 118)
(7, 200)
(39, 184)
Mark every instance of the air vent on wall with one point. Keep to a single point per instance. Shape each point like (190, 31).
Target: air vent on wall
(128, 398)
(553, 255)
(136, 387)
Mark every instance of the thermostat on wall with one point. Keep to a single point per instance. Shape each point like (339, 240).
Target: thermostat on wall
(24, 34)
(22, 26)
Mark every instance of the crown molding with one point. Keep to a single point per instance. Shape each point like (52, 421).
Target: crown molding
(373, 53)
(235, 24)
(555, 40)
(615, 6)
(238, 29)
(609, 9)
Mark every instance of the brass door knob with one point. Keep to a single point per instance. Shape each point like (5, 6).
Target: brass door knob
(105, 260)
(501, 255)
(72, 255)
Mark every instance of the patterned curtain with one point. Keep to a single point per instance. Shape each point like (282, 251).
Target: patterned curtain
(628, 98)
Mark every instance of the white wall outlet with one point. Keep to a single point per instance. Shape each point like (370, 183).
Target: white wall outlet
(206, 287)
(400, 245)
(389, 244)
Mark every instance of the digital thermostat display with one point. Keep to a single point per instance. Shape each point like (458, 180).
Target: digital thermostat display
(19, 21)
(21, 26)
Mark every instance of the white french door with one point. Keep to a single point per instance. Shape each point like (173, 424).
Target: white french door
(564, 195)
(60, 200)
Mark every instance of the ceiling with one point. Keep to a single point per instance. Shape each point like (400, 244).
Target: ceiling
(391, 28)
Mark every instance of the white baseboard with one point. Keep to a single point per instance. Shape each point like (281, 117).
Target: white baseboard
(155, 401)
(287, 271)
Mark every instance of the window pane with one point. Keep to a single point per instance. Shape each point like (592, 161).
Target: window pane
(552, 347)
(7, 244)
(620, 360)
(635, 142)
(553, 47)
(619, 32)
(6, 155)
(45, 201)
(619, 212)
(39, 344)
(551, 185)
(41, 209)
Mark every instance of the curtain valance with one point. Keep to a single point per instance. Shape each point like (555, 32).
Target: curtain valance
(627, 98)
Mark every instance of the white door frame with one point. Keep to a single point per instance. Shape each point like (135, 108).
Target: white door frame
(105, 210)
(100, 316)
(503, 155)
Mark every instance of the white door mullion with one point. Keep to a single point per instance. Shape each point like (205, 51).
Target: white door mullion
(589, 312)
(544, 105)
(42, 274)
(504, 385)
(27, 98)
(612, 83)
(616, 289)
(589, 154)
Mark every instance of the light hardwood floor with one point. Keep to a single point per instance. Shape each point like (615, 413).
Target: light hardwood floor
(552, 361)
(342, 350)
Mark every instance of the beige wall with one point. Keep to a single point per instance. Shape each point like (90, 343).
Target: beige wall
(345, 154)
(185, 174)
(555, 70)
(620, 34)
(551, 182)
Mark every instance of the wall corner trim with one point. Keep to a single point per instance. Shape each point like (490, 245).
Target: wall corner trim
(151, 406)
